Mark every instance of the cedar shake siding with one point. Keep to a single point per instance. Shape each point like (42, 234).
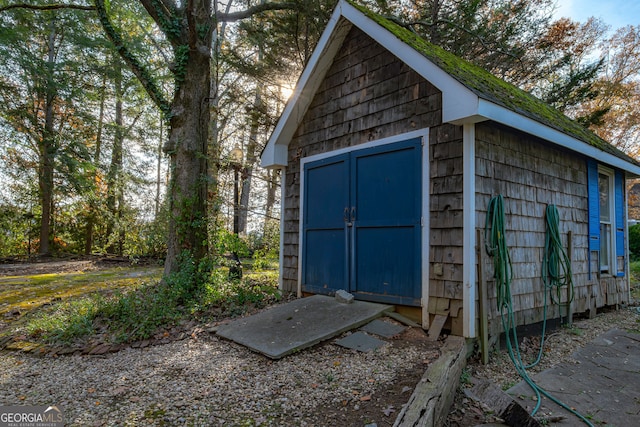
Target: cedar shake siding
(531, 174)
(367, 94)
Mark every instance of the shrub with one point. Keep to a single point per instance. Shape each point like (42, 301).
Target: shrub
(634, 242)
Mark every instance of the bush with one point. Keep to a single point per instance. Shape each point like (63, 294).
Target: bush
(634, 242)
(196, 289)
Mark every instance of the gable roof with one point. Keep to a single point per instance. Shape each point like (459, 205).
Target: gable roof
(470, 94)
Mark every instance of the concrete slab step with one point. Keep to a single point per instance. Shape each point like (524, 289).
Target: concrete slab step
(302, 323)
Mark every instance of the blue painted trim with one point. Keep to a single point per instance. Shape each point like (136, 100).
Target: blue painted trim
(593, 208)
(620, 222)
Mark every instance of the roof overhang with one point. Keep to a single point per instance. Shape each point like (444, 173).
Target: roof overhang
(460, 105)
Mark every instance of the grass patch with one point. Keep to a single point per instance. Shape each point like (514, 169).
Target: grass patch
(634, 269)
(67, 321)
(196, 291)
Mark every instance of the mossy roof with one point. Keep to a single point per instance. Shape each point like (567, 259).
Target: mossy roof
(493, 89)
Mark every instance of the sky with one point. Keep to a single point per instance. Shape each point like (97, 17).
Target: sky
(616, 13)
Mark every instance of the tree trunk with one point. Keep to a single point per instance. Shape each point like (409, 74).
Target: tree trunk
(47, 150)
(159, 170)
(187, 150)
(250, 160)
(114, 176)
(91, 218)
(272, 185)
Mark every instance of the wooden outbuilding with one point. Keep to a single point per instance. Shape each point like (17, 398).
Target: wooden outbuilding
(391, 149)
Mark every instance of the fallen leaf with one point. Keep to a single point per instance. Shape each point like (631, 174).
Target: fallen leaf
(91, 390)
(365, 398)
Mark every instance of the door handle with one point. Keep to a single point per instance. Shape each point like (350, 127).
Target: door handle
(345, 217)
(353, 214)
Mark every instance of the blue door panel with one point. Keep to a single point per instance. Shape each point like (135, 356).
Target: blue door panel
(385, 263)
(327, 188)
(362, 223)
(386, 187)
(324, 256)
(325, 267)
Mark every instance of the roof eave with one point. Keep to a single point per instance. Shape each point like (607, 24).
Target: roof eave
(275, 152)
(497, 113)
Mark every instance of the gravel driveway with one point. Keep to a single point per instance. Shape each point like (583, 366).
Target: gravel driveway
(207, 381)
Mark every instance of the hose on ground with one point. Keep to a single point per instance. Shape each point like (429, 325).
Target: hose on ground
(556, 274)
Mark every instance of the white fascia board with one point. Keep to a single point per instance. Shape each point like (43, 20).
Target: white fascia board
(275, 152)
(500, 114)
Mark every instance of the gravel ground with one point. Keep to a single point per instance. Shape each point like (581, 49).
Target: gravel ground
(207, 381)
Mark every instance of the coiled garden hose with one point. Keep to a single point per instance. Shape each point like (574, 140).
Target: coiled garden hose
(556, 272)
(556, 265)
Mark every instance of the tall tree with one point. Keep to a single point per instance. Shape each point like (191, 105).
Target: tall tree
(41, 80)
(188, 27)
(618, 91)
(266, 53)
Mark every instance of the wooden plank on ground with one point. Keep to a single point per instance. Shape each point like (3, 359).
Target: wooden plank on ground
(504, 405)
(436, 326)
(431, 400)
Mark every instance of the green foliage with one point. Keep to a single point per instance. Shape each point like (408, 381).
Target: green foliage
(68, 321)
(465, 377)
(15, 228)
(261, 261)
(634, 242)
(196, 289)
(634, 268)
(227, 242)
(147, 239)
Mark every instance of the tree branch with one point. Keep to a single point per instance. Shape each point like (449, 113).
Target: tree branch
(409, 26)
(134, 64)
(46, 7)
(163, 13)
(253, 10)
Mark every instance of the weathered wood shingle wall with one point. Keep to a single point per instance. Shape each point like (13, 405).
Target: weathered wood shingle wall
(367, 94)
(445, 234)
(531, 174)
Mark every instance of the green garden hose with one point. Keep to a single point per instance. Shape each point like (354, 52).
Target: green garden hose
(556, 274)
(556, 265)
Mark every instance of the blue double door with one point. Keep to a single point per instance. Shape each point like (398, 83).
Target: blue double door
(362, 224)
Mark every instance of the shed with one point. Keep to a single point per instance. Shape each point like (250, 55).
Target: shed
(391, 149)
